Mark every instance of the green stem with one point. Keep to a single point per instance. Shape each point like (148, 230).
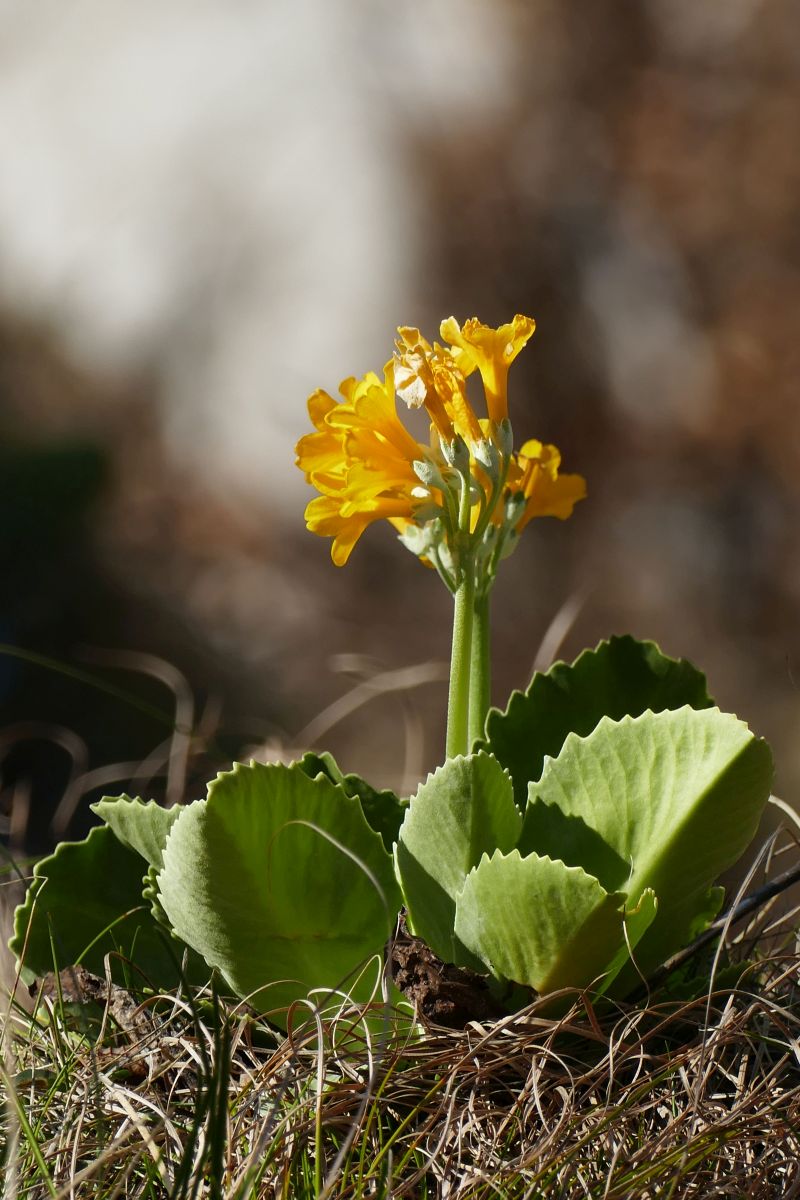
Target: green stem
(480, 687)
(491, 505)
(458, 704)
(461, 655)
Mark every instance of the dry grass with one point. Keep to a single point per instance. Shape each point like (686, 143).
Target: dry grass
(190, 1097)
(693, 1090)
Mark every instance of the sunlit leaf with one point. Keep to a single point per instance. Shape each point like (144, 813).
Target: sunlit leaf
(538, 922)
(278, 881)
(139, 826)
(621, 677)
(465, 809)
(666, 801)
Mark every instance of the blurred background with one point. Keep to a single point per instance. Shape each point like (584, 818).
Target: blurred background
(213, 207)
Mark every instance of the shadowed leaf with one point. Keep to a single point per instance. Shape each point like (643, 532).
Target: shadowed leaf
(383, 809)
(88, 896)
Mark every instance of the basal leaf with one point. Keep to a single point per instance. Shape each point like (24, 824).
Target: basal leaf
(538, 922)
(548, 830)
(636, 922)
(87, 898)
(279, 882)
(465, 809)
(675, 796)
(313, 764)
(383, 809)
(139, 826)
(621, 677)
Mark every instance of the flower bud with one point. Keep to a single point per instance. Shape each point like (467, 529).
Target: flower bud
(487, 455)
(426, 513)
(456, 454)
(428, 473)
(515, 507)
(510, 543)
(505, 437)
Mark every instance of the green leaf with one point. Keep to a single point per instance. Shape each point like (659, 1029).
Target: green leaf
(666, 801)
(86, 900)
(621, 677)
(695, 979)
(383, 809)
(538, 922)
(636, 921)
(548, 830)
(465, 809)
(280, 883)
(706, 912)
(313, 764)
(139, 826)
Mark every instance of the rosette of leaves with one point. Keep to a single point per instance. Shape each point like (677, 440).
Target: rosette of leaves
(280, 880)
(579, 844)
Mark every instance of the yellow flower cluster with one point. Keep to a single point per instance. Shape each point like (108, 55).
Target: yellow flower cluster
(367, 466)
(360, 460)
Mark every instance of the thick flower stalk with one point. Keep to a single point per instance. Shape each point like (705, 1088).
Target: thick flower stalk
(459, 502)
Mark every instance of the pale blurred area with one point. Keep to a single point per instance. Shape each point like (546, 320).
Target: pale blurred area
(210, 208)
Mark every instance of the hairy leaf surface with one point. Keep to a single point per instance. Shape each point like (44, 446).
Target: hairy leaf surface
(465, 809)
(666, 801)
(278, 880)
(87, 897)
(620, 677)
(140, 826)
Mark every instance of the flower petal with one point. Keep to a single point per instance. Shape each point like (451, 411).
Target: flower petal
(490, 351)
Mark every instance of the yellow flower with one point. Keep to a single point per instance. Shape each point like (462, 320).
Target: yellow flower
(360, 460)
(535, 473)
(491, 352)
(429, 375)
(455, 502)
